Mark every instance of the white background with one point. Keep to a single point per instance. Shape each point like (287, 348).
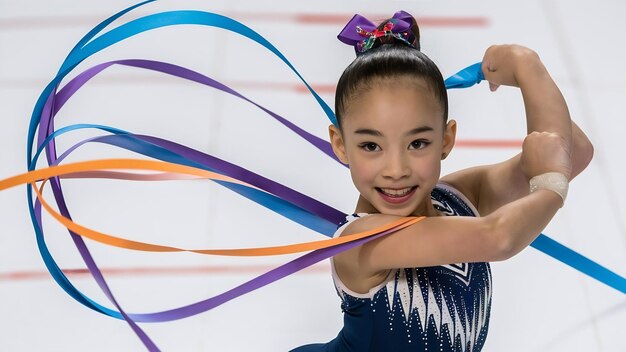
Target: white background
(538, 304)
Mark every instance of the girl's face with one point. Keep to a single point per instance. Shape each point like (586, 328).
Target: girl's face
(393, 138)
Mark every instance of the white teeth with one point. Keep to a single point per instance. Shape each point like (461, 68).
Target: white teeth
(396, 192)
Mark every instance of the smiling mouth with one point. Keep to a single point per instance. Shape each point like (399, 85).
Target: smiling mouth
(396, 195)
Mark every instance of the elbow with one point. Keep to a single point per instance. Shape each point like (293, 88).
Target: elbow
(587, 154)
(582, 157)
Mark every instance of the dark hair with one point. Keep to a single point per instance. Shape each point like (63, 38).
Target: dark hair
(389, 58)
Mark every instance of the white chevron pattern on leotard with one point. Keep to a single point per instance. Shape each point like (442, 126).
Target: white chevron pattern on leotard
(411, 299)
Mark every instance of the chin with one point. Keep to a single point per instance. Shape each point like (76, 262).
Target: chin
(403, 212)
(408, 207)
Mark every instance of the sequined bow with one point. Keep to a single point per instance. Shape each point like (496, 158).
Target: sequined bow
(362, 33)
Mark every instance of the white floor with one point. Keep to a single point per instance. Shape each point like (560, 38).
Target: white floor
(538, 304)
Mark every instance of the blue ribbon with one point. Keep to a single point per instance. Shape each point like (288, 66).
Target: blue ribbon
(87, 47)
(465, 78)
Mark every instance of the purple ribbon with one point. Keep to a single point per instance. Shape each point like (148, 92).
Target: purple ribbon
(57, 100)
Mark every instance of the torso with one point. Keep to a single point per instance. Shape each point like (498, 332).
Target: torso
(443, 307)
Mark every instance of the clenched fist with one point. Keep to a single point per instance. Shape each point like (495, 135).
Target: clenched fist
(508, 65)
(545, 152)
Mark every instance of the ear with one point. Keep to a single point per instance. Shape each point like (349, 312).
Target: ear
(336, 141)
(449, 137)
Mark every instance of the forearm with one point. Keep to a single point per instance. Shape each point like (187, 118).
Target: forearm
(546, 109)
(517, 224)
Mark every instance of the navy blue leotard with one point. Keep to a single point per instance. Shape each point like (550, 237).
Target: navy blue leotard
(441, 308)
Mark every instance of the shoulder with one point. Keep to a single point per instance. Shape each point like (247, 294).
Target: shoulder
(450, 201)
(357, 223)
(489, 187)
(350, 267)
(467, 182)
(466, 185)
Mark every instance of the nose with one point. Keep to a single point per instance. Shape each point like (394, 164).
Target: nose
(396, 166)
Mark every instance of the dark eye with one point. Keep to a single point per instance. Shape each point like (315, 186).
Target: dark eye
(370, 147)
(418, 144)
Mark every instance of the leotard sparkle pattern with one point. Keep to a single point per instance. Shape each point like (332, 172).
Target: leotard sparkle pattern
(442, 308)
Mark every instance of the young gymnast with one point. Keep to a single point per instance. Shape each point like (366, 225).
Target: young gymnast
(400, 292)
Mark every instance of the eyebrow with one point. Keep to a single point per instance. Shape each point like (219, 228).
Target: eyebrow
(371, 132)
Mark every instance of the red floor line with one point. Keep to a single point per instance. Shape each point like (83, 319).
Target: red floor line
(298, 87)
(488, 143)
(321, 88)
(157, 271)
(39, 22)
(21, 83)
(342, 18)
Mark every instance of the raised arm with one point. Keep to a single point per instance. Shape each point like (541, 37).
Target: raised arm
(443, 240)
(517, 66)
(490, 187)
(512, 217)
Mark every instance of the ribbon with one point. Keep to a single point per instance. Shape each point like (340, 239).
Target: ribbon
(42, 117)
(466, 78)
(180, 162)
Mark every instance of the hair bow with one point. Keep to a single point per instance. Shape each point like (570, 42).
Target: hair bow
(362, 33)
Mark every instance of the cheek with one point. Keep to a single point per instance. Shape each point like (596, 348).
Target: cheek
(362, 173)
(363, 169)
(429, 168)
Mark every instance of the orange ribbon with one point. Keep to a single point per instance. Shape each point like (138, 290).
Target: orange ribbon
(98, 168)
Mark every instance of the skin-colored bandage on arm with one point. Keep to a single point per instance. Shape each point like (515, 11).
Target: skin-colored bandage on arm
(553, 181)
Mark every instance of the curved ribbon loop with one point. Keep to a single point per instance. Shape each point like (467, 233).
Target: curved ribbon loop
(184, 160)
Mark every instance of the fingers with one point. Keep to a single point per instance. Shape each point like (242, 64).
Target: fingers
(490, 59)
(488, 71)
(501, 63)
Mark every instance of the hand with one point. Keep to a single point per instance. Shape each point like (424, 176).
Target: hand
(506, 64)
(545, 152)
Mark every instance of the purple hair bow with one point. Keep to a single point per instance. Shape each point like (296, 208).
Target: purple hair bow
(362, 33)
